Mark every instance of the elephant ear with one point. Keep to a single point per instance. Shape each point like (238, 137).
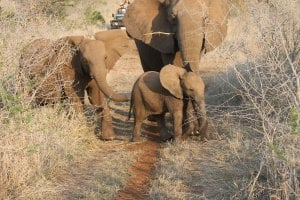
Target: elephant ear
(112, 56)
(117, 43)
(170, 77)
(146, 20)
(110, 35)
(216, 24)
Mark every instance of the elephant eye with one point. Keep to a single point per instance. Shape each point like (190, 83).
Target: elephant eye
(190, 89)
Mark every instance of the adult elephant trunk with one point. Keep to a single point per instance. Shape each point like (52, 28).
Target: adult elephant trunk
(190, 37)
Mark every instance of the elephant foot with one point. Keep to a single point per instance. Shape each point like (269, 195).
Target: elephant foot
(185, 136)
(107, 138)
(165, 136)
(188, 133)
(136, 139)
(107, 135)
(203, 132)
(178, 139)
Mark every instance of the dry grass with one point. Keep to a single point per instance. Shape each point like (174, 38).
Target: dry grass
(34, 150)
(194, 170)
(48, 153)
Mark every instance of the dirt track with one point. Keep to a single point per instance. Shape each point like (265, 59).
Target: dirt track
(137, 185)
(122, 78)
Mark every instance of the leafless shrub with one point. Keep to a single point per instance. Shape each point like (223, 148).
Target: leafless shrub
(263, 95)
(45, 72)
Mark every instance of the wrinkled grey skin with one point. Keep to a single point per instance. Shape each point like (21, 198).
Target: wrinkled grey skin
(164, 28)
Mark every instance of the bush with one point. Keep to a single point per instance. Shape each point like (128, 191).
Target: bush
(267, 86)
(93, 17)
(49, 8)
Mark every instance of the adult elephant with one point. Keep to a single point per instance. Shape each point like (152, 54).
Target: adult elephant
(65, 68)
(163, 28)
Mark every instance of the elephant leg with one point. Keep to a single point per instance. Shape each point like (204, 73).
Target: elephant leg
(107, 132)
(177, 119)
(164, 133)
(75, 100)
(151, 59)
(97, 99)
(139, 116)
(136, 137)
(203, 131)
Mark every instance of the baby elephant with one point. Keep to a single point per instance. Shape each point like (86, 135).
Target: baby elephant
(173, 90)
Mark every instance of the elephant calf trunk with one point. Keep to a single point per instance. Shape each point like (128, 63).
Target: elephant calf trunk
(202, 121)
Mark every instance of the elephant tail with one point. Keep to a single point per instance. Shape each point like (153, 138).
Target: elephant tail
(131, 101)
(130, 108)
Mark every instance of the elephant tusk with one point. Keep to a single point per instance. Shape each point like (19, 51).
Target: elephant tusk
(159, 33)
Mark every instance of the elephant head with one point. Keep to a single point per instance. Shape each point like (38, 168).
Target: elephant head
(191, 26)
(92, 56)
(183, 84)
(180, 83)
(117, 43)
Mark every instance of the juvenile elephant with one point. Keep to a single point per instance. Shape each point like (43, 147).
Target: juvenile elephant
(51, 71)
(65, 68)
(176, 31)
(155, 93)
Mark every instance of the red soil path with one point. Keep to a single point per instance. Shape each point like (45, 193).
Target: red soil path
(137, 186)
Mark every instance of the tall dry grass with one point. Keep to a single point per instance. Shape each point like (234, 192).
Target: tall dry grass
(48, 153)
(253, 106)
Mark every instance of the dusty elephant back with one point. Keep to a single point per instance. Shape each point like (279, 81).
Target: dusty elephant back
(149, 91)
(35, 56)
(43, 65)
